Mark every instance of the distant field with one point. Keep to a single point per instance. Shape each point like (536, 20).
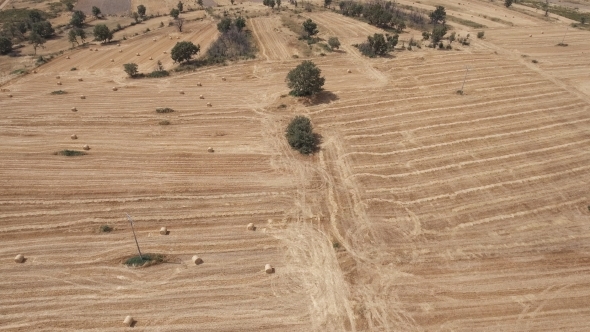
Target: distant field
(107, 7)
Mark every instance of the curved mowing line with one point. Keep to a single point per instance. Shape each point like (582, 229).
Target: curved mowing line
(463, 140)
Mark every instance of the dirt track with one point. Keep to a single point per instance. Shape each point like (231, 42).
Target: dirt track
(451, 212)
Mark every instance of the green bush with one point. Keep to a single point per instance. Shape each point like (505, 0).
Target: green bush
(58, 92)
(105, 229)
(158, 73)
(184, 51)
(480, 34)
(145, 260)
(70, 153)
(305, 79)
(164, 110)
(164, 123)
(300, 135)
(130, 69)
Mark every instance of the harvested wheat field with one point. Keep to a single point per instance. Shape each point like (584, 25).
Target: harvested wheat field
(423, 210)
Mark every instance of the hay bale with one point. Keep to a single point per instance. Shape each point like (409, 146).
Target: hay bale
(164, 231)
(58, 83)
(349, 71)
(177, 37)
(269, 269)
(530, 35)
(90, 49)
(199, 84)
(118, 44)
(74, 109)
(154, 39)
(128, 321)
(80, 80)
(137, 54)
(115, 88)
(82, 97)
(197, 260)
(68, 57)
(209, 105)
(112, 60)
(251, 227)
(19, 258)
(74, 136)
(10, 95)
(96, 50)
(210, 149)
(120, 51)
(34, 72)
(201, 97)
(58, 77)
(151, 58)
(181, 92)
(86, 147)
(165, 52)
(223, 78)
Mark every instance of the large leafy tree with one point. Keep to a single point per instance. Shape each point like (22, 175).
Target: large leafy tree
(95, 11)
(184, 51)
(300, 135)
(305, 79)
(5, 45)
(36, 40)
(174, 13)
(141, 10)
(43, 29)
(310, 27)
(438, 33)
(78, 18)
(102, 33)
(439, 15)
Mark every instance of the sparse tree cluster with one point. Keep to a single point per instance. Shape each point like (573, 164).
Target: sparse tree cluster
(96, 11)
(78, 18)
(270, 3)
(32, 27)
(383, 14)
(74, 34)
(310, 27)
(378, 45)
(233, 42)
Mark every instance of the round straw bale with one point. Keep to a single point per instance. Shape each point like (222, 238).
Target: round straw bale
(151, 58)
(201, 97)
(223, 78)
(68, 57)
(209, 105)
(34, 72)
(90, 49)
(74, 109)
(154, 39)
(74, 136)
(199, 84)
(118, 44)
(251, 227)
(115, 88)
(181, 92)
(96, 50)
(210, 149)
(170, 37)
(349, 71)
(80, 79)
(137, 54)
(112, 60)
(86, 147)
(120, 51)
(177, 37)
(19, 258)
(58, 83)
(197, 260)
(82, 97)
(58, 77)
(128, 321)
(163, 231)
(530, 35)
(165, 52)
(269, 269)
(10, 95)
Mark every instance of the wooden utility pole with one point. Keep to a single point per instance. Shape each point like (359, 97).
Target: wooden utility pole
(133, 229)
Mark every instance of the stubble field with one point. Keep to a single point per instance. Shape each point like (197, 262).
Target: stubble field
(425, 210)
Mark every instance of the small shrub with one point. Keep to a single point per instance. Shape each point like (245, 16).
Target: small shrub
(562, 44)
(336, 245)
(164, 123)
(164, 110)
(460, 92)
(105, 229)
(158, 73)
(73, 69)
(534, 61)
(145, 260)
(70, 153)
(480, 34)
(59, 92)
(130, 69)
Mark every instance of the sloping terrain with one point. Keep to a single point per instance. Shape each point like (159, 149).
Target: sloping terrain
(425, 210)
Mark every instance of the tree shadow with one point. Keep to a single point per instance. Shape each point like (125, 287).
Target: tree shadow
(323, 97)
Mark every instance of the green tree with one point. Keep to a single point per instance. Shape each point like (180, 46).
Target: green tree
(305, 79)
(35, 16)
(300, 135)
(36, 40)
(508, 3)
(5, 45)
(334, 42)
(180, 6)
(78, 19)
(200, 3)
(224, 25)
(439, 15)
(70, 6)
(378, 44)
(102, 33)
(232, 2)
(327, 3)
(141, 10)
(136, 16)
(272, 3)
(583, 20)
(240, 23)
(43, 29)
(184, 51)
(95, 11)
(130, 69)
(72, 37)
(545, 7)
(310, 27)
(174, 13)
(438, 33)
(278, 3)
